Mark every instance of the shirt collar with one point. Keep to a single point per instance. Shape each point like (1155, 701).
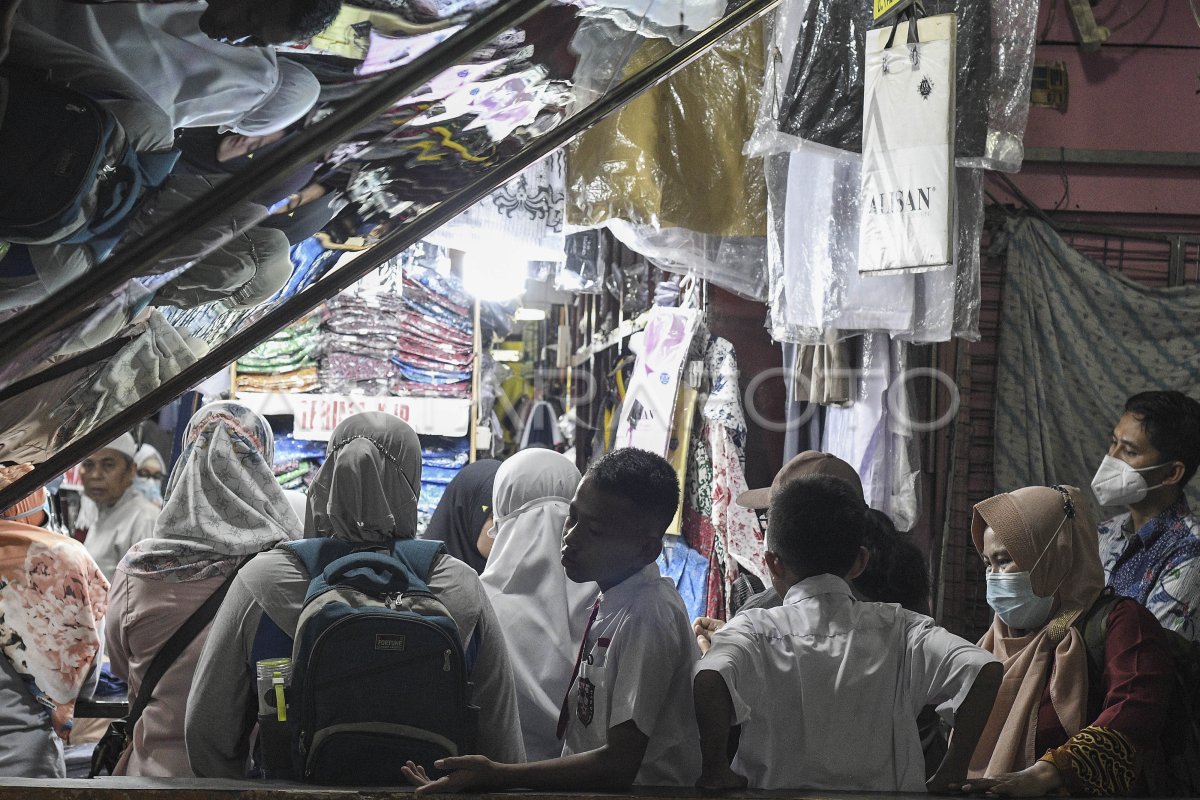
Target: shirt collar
(817, 585)
(620, 593)
(1166, 520)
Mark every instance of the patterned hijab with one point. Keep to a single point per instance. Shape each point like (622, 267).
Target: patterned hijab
(1028, 522)
(52, 602)
(367, 489)
(222, 502)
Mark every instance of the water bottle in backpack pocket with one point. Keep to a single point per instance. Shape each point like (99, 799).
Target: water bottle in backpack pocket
(379, 676)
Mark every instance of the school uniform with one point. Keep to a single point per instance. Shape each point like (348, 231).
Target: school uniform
(827, 688)
(637, 665)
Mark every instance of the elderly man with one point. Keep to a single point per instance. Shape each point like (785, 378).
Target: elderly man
(124, 516)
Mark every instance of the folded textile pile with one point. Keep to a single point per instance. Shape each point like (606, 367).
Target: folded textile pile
(283, 363)
(297, 461)
(357, 338)
(432, 358)
(441, 459)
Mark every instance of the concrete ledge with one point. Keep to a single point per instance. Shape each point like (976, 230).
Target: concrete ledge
(208, 789)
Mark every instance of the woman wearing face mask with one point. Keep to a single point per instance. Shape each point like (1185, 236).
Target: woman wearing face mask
(1060, 723)
(148, 481)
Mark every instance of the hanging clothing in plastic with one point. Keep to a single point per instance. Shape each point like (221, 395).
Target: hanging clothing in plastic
(873, 435)
(815, 284)
(656, 176)
(821, 100)
(713, 524)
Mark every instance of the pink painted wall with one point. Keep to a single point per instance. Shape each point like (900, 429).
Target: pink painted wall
(1139, 92)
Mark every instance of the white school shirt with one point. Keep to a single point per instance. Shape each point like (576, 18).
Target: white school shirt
(637, 666)
(827, 688)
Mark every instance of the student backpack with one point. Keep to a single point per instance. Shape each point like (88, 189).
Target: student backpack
(379, 673)
(66, 161)
(1180, 739)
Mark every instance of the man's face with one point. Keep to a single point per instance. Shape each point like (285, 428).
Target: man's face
(1131, 444)
(603, 539)
(249, 23)
(106, 475)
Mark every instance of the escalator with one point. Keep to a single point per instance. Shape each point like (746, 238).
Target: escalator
(83, 365)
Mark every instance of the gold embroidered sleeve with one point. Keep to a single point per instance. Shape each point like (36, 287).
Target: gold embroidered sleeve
(1096, 761)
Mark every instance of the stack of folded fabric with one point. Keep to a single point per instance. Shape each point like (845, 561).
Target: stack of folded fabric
(297, 461)
(358, 338)
(283, 363)
(441, 459)
(432, 357)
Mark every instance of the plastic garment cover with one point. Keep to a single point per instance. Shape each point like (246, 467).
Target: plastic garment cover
(666, 172)
(674, 20)
(1014, 30)
(872, 434)
(815, 91)
(815, 284)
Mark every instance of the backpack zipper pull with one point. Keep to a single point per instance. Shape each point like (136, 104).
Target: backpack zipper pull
(446, 661)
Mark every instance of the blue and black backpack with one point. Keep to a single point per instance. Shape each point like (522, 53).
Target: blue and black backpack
(70, 176)
(379, 672)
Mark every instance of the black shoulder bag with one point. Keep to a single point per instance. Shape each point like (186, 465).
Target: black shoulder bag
(109, 749)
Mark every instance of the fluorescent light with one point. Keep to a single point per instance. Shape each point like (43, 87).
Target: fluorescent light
(489, 276)
(530, 315)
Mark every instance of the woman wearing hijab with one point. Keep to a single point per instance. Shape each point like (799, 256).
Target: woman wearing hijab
(197, 81)
(542, 611)
(463, 517)
(1056, 725)
(52, 599)
(223, 505)
(148, 481)
(365, 493)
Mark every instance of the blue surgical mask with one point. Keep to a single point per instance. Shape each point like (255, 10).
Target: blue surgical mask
(1011, 595)
(149, 488)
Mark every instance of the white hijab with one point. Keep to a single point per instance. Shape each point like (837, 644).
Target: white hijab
(198, 81)
(543, 612)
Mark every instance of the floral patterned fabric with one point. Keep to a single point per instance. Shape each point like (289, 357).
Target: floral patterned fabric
(713, 524)
(222, 502)
(52, 598)
(1158, 565)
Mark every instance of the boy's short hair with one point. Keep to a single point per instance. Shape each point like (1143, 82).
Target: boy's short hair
(816, 526)
(1172, 423)
(646, 480)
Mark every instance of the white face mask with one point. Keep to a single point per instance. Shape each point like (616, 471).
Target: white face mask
(1118, 484)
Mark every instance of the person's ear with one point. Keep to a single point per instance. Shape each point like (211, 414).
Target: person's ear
(776, 566)
(1175, 476)
(860, 564)
(651, 548)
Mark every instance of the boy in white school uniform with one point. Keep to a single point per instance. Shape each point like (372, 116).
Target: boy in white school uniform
(627, 717)
(827, 688)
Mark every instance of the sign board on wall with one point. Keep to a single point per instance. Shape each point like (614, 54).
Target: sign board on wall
(316, 415)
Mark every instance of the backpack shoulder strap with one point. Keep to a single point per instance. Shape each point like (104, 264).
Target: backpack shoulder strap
(170, 652)
(1094, 627)
(419, 555)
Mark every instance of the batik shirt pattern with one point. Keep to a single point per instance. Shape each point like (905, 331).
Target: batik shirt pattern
(1158, 565)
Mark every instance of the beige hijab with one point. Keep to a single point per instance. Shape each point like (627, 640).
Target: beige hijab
(1026, 522)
